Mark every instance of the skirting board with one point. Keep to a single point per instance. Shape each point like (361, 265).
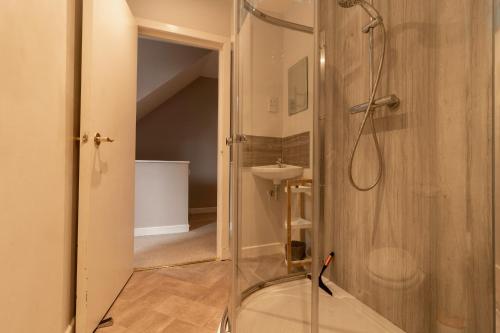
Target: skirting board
(163, 230)
(71, 327)
(262, 250)
(203, 210)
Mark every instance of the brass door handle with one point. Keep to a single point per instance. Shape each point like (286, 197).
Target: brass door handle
(98, 139)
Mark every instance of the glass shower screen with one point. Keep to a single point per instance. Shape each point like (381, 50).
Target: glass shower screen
(272, 224)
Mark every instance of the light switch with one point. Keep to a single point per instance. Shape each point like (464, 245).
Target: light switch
(274, 103)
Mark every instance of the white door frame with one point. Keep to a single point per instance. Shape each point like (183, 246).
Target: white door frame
(222, 44)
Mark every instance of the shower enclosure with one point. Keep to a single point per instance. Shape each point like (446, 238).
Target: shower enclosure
(413, 253)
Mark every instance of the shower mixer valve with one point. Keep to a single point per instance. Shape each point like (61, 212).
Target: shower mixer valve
(392, 101)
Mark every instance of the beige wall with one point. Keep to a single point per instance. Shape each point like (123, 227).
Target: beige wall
(212, 16)
(418, 248)
(261, 47)
(297, 45)
(266, 52)
(261, 78)
(184, 128)
(38, 100)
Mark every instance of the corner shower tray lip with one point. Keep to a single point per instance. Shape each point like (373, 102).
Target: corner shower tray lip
(286, 307)
(277, 173)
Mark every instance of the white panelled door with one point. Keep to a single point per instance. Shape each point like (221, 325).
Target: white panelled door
(106, 189)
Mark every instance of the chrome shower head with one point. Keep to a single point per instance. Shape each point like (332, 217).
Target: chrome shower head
(369, 9)
(349, 3)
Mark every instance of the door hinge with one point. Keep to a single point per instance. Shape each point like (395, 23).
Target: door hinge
(239, 138)
(107, 322)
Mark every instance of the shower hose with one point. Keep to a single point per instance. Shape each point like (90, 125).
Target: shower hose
(369, 115)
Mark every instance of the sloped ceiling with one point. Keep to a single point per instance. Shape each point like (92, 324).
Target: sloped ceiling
(165, 68)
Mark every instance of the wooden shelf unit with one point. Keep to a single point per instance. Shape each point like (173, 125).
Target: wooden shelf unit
(301, 187)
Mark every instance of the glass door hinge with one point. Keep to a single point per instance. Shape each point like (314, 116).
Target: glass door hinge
(239, 138)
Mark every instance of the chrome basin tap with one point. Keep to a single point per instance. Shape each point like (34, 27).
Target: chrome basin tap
(280, 163)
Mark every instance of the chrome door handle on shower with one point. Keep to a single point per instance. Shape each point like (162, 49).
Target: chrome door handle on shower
(98, 139)
(239, 138)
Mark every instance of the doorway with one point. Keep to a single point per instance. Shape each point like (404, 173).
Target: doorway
(219, 49)
(107, 149)
(176, 154)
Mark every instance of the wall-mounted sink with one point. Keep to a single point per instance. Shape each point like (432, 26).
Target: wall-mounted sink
(277, 172)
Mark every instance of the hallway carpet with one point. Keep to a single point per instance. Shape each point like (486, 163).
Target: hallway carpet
(200, 243)
(183, 299)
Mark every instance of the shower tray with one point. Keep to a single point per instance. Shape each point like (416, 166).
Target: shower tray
(286, 308)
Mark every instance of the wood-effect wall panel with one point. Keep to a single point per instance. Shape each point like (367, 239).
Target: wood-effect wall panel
(417, 248)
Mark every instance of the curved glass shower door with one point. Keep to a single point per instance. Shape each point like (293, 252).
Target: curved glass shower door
(409, 211)
(272, 147)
